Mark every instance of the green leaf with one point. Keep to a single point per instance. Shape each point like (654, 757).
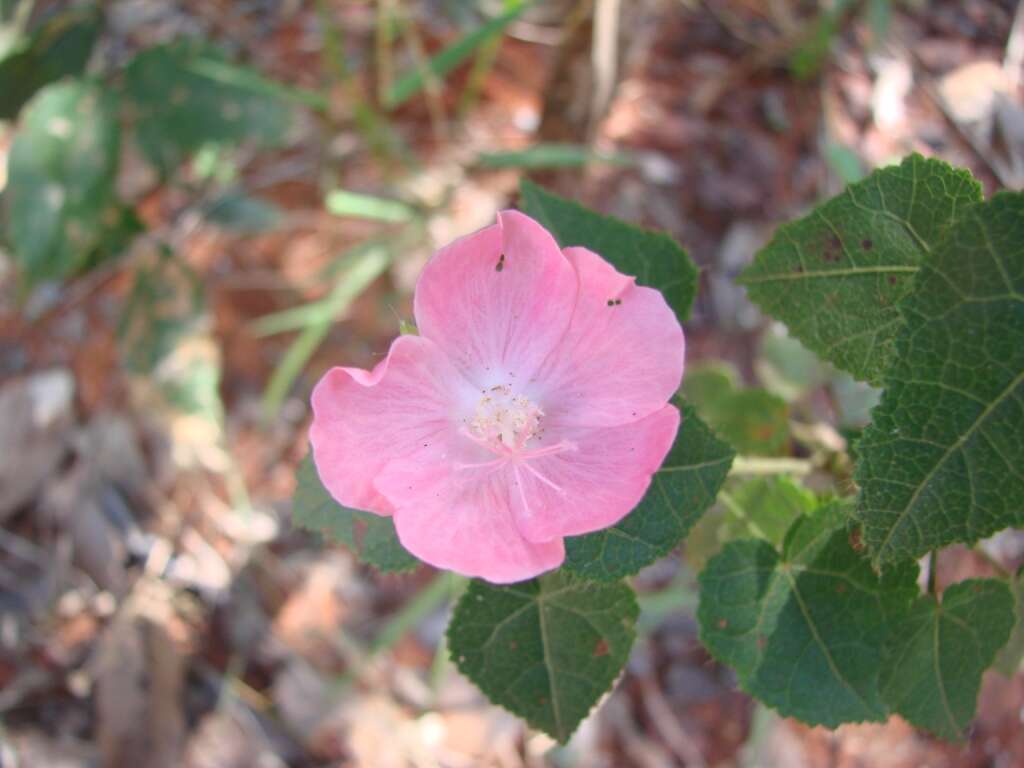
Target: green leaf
(767, 507)
(843, 162)
(763, 507)
(835, 277)
(654, 258)
(59, 48)
(943, 459)
(371, 537)
(685, 486)
(787, 368)
(184, 95)
(707, 383)
(804, 629)
(754, 421)
(444, 62)
(545, 649)
(60, 198)
(165, 343)
(1009, 659)
(937, 653)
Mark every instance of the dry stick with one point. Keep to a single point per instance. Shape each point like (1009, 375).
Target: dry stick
(1014, 58)
(604, 55)
(668, 726)
(936, 98)
(971, 141)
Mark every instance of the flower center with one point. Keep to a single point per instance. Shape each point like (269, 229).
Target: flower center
(505, 421)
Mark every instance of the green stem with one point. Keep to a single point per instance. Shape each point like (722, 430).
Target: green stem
(425, 602)
(483, 63)
(756, 465)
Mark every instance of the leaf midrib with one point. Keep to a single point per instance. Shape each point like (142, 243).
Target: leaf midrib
(955, 446)
(556, 709)
(819, 273)
(824, 647)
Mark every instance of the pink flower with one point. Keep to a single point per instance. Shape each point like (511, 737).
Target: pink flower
(532, 406)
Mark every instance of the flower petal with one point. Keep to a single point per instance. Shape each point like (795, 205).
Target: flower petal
(460, 520)
(595, 485)
(497, 301)
(363, 419)
(622, 357)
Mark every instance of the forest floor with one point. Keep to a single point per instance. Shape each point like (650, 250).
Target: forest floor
(157, 607)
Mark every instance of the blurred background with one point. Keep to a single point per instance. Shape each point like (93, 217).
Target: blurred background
(206, 203)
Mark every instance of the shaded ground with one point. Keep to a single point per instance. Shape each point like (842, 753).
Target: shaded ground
(149, 618)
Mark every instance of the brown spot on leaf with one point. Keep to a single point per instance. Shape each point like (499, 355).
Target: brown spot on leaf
(723, 623)
(601, 649)
(892, 279)
(866, 244)
(856, 542)
(833, 249)
(762, 641)
(840, 588)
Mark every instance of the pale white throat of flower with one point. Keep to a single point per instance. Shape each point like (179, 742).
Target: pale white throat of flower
(505, 423)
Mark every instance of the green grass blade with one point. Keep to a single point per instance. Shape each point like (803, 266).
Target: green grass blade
(553, 155)
(444, 62)
(366, 268)
(341, 202)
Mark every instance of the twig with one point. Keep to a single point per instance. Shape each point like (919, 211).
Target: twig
(1014, 58)
(668, 726)
(604, 56)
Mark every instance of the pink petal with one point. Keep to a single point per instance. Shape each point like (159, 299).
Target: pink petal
(362, 420)
(617, 362)
(595, 485)
(497, 319)
(459, 519)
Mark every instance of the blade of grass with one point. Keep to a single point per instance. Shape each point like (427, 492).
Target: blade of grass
(448, 59)
(365, 268)
(384, 39)
(423, 603)
(551, 156)
(483, 63)
(297, 318)
(432, 82)
(341, 202)
(372, 126)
